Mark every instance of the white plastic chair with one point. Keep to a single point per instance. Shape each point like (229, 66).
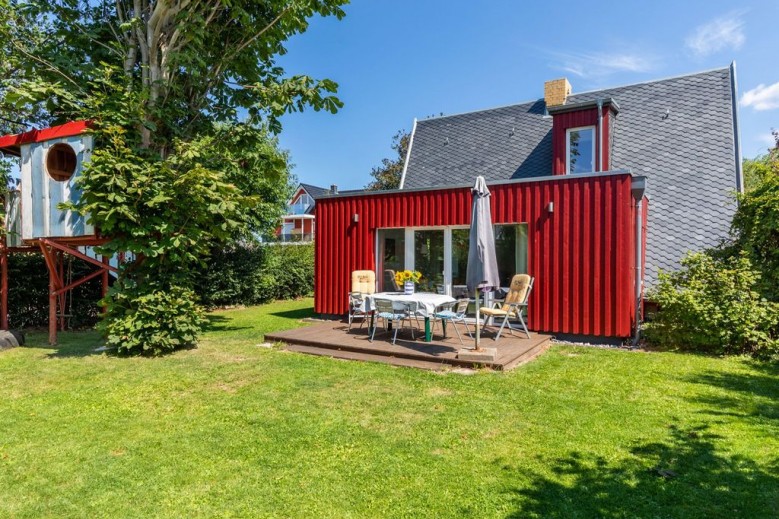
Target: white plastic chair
(357, 309)
(386, 311)
(454, 313)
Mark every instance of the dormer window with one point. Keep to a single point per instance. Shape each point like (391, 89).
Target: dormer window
(581, 131)
(580, 150)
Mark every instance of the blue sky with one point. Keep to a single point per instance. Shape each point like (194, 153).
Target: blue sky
(401, 59)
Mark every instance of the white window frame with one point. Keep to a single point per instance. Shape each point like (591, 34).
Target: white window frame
(409, 250)
(568, 148)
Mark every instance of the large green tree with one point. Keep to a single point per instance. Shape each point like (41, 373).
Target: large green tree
(387, 176)
(184, 96)
(755, 227)
(756, 169)
(191, 61)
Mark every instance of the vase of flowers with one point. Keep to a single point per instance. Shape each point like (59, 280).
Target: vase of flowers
(408, 280)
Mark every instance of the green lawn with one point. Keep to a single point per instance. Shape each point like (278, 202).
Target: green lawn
(235, 430)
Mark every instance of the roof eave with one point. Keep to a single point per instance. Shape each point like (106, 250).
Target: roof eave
(544, 178)
(70, 129)
(584, 105)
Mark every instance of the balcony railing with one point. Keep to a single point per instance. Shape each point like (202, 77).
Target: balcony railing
(297, 208)
(290, 238)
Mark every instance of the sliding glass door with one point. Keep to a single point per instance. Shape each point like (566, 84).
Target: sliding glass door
(441, 255)
(459, 255)
(429, 259)
(511, 250)
(392, 257)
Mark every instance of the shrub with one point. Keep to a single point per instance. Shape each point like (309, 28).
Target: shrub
(713, 305)
(149, 320)
(252, 273)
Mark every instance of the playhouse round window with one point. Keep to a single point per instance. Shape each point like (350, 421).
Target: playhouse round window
(61, 162)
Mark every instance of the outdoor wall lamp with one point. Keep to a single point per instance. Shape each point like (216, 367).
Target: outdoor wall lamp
(355, 218)
(550, 207)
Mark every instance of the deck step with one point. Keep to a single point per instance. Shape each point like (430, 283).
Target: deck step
(332, 339)
(366, 357)
(528, 355)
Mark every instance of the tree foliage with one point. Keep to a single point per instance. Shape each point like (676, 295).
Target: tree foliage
(191, 61)
(387, 176)
(755, 170)
(184, 97)
(755, 226)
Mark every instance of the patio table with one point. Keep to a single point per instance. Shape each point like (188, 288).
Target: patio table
(427, 303)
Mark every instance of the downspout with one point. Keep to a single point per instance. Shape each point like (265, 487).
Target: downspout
(600, 134)
(638, 188)
(736, 132)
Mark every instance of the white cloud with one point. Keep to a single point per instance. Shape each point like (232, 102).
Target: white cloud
(725, 32)
(600, 64)
(762, 97)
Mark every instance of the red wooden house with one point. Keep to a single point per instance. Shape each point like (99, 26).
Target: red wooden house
(570, 176)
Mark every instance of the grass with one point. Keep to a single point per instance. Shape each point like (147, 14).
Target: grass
(234, 430)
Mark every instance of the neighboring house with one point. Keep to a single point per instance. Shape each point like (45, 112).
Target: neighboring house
(572, 176)
(298, 224)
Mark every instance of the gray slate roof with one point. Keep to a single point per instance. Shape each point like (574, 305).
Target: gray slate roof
(688, 156)
(315, 191)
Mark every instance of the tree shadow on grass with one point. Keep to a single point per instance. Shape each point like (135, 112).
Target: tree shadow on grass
(751, 397)
(300, 313)
(683, 476)
(69, 343)
(220, 323)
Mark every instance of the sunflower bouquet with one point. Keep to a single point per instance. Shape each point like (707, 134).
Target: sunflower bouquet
(407, 275)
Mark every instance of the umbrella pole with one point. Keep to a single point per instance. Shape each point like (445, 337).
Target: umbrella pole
(478, 321)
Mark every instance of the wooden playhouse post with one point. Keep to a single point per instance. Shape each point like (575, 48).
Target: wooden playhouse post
(52, 308)
(104, 284)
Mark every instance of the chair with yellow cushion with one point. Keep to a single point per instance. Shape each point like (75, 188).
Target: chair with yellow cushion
(513, 305)
(363, 283)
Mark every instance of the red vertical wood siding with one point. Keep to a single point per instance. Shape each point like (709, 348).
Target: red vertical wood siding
(587, 117)
(582, 255)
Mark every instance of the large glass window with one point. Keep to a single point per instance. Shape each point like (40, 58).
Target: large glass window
(580, 150)
(460, 239)
(392, 257)
(441, 255)
(429, 259)
(511, 250)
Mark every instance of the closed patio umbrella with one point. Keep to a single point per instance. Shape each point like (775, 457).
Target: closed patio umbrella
(482, 271)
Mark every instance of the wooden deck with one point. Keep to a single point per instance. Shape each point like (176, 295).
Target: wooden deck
(331, 339)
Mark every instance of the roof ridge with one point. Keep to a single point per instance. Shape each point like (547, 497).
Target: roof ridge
(311, 185)
(698, 73)
(668, 78)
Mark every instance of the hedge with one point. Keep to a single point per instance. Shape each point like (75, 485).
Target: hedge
(254, 273)
(28, 292)
(244, 274)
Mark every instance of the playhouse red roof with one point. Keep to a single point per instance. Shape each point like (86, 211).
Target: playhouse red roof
(11, 144)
